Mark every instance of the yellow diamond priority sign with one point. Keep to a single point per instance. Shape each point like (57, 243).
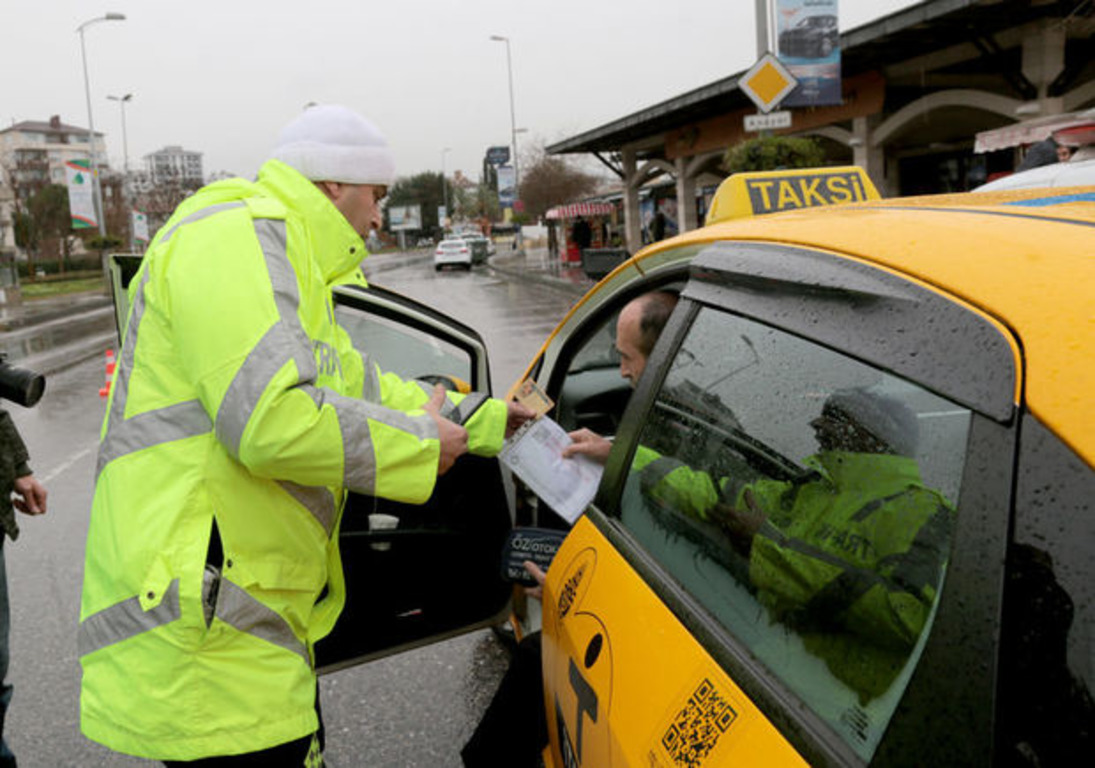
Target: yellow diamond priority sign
(767, 82)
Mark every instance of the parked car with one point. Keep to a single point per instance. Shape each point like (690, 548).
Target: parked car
(452, 253)
(814, 37)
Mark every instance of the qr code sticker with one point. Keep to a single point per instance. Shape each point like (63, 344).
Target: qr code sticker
(697, 727)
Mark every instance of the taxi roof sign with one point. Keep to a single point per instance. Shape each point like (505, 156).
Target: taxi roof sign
(767, 82)
(752, 194)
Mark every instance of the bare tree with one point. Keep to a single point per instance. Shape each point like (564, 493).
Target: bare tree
(549, 180)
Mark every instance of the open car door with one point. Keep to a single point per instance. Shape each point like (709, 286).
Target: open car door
(436, 574)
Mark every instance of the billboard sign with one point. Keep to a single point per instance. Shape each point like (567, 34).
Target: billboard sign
(405, 217)
(808, 44)
(507, 186)
(139, 224)
(81, 194)
(498, 155)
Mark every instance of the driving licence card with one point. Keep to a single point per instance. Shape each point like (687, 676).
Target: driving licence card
(536, 544)
(532, 397)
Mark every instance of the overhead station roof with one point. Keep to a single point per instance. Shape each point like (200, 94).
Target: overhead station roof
(903, 35)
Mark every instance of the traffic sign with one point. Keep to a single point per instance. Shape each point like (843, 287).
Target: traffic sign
(767, 82)
(768, 122)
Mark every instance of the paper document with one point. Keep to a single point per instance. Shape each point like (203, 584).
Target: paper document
(535, 454)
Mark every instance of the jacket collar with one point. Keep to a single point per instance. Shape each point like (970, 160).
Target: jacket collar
(336, 247)
(883, 472)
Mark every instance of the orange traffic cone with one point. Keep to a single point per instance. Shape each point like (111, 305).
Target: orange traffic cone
(109, 373)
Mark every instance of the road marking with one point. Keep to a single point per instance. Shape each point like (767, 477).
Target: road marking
(56, 471)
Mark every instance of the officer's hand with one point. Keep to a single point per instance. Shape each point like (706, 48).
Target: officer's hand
(452, 437)
(516, 415)
(535, 572)
(32, 493)
(588, 443)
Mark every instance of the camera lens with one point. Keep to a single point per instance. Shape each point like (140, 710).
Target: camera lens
(21, 385)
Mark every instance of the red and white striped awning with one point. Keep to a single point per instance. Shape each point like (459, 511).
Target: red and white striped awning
(579, 209)
(1030, 131)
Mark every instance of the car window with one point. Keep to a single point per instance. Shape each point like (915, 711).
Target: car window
(399, 348)
(805, 500)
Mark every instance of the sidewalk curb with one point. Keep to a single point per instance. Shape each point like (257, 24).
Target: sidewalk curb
(96, 343)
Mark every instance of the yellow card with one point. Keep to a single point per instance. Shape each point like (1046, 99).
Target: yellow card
(530, 395)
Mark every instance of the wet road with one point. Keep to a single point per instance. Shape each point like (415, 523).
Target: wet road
(411, 710)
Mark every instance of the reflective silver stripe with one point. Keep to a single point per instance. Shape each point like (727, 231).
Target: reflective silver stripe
(240, 610)
(359, 467)
(144, 430)
(265, 359)
(126, 619)
(199, 215)
(151, 428)
(316, 499)
(468, 406)
(656, 471)
(371, 390)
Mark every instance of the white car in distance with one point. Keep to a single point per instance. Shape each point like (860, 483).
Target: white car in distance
(452, 253)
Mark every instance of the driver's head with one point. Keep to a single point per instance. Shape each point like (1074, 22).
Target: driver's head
(640, 324)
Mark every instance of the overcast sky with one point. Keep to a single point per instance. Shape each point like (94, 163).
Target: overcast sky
(222, 78)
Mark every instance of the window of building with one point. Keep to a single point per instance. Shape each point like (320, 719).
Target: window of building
(805, 499)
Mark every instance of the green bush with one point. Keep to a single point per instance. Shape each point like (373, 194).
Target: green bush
(773, 153)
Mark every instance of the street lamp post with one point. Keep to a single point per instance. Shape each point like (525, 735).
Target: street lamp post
(125, 167)
(90, 120)
(125, 140)
(512, 124)
(444, 188)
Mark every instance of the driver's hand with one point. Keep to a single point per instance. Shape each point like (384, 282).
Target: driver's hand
(535, 572)
(452, 437)
(588, 443)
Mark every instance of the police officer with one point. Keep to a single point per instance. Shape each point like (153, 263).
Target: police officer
(30, 498)
(850, 555)
(240, 417)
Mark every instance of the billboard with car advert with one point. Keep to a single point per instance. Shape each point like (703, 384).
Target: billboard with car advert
(808, 44)
(405, 217)
(507, 186)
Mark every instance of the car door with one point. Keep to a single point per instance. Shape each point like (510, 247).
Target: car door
(665, 644)
(436, 573)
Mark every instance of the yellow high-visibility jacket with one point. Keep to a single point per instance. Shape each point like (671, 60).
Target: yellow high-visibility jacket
(239, 404)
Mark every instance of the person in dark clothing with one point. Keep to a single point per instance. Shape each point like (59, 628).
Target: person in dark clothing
(657, 227)
(581, 233)
(1038, 154)
(513, 731)
(30, 498)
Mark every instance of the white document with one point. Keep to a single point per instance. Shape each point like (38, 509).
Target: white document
(535, 454)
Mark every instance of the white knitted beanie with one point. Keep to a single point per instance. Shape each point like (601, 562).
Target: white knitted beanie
(329, 142)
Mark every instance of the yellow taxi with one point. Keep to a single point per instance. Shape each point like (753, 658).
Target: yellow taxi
(847, 518)
(968, 637)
